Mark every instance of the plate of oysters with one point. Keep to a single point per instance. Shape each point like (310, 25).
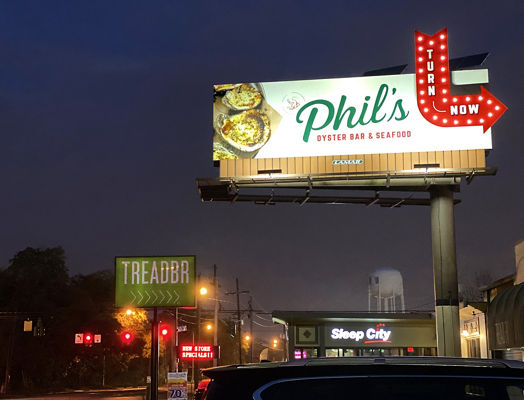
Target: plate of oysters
(242, 120)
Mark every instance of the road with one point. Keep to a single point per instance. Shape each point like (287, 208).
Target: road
(114, 394)
(124, 394)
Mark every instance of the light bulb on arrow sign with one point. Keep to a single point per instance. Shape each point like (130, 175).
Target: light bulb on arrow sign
(434, 99)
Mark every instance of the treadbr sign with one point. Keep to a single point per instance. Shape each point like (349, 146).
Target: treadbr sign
(155, 281)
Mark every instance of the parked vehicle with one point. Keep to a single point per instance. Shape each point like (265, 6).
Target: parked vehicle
(201, 388)
(362, 378)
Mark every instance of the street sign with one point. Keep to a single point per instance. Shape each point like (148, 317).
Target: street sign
(155, 281)
(79, 338)
(98, 338)
(177, 385)
(182, 328)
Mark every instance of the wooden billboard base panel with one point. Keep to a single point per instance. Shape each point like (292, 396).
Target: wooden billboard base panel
(355, 164)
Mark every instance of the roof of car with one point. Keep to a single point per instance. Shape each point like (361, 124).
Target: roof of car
(349, 362)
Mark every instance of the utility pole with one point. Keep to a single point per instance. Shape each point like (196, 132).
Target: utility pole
(250, 303)
(215, 317)
(239, 320)
(239, 326)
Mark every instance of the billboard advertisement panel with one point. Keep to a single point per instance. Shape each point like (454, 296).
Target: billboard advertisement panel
(316, 126)
(155, 281)
(367, 115)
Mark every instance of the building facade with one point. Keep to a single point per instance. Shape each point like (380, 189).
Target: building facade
(473, 334)
(348, 334)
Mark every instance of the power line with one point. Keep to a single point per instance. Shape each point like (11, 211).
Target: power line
(264, 326)
(265, 319)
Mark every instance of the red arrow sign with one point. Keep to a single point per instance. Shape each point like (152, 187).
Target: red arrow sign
(434, 98)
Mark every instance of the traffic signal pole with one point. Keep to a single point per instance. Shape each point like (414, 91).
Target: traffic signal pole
(174, 349)
(445, 272)
(154, 356)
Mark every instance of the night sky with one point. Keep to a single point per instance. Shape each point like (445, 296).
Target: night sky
(106, 122)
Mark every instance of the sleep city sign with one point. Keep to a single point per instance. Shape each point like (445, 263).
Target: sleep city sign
(380, 334)
(367, 115)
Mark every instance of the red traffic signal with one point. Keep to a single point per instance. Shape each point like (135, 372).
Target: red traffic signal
(88, 338)
(127, 337)
(164, 331)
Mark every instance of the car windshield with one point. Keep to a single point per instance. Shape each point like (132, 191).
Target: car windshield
(393, 388)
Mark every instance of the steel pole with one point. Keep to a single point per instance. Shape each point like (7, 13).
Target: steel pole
(154, 356)
(445, 271)
(176, 339)
(197, 375)
(215, 317)
(251, 329)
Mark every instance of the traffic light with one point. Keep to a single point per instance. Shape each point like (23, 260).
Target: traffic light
(88, 338)
(127, 337)
(164, 331)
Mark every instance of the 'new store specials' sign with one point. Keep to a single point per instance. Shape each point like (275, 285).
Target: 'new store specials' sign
(366, 115)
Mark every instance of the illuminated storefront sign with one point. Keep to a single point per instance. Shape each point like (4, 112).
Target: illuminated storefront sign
(355, 116)
(197, 352)
(379, 334)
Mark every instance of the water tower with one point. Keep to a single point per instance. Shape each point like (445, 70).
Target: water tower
(385, 285)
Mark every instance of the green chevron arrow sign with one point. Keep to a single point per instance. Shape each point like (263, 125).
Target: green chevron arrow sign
(155, 281)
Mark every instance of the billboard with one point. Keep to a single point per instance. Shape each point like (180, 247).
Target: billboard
(166, 281)
(376, 115)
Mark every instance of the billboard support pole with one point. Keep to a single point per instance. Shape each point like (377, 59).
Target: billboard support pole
(445, 271)
(154, 356)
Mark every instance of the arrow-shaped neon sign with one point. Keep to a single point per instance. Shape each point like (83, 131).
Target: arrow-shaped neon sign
(434, 99)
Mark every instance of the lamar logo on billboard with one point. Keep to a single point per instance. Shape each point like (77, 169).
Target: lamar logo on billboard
(372, 335)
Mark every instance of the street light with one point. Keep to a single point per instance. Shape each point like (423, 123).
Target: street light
(203, 291)
(247, 337)
(209, 327)
(275, 343)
